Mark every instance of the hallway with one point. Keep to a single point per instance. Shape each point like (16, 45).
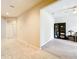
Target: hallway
(13, 49)
(26, 25)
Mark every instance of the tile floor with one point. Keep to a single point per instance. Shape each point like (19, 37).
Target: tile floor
(62, 48)
(13, 49)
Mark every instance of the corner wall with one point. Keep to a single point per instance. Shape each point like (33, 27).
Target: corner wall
(46, 27)
(28, 24)
(28, 27)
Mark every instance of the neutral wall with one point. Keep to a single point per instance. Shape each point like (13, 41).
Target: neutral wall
(28, 24)
(46, 27)
(28, 27)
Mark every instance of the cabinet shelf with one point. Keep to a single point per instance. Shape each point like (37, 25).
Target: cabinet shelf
(59, 30)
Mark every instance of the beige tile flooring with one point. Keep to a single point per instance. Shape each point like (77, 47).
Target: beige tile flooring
(13, 49)
(64, 49)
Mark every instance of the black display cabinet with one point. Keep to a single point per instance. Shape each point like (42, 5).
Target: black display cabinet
(60, 30)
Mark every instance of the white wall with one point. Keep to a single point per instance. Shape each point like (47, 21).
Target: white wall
(47, 14)
(70, 19)
(71, 23)
(46, 27)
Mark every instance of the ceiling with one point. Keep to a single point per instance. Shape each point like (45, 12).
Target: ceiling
(59, 5)
(62, 9)
(64, 13)
(14, 8)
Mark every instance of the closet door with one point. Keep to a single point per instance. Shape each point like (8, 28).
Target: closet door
(11, 29)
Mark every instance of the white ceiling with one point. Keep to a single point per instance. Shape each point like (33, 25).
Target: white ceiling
(62, 9)
(13, 8)
(61, 4)
(65, 13)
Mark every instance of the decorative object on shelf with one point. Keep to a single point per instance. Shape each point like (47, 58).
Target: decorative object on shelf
(70, 31)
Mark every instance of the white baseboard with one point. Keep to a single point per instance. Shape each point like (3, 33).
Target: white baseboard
(44, 44)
